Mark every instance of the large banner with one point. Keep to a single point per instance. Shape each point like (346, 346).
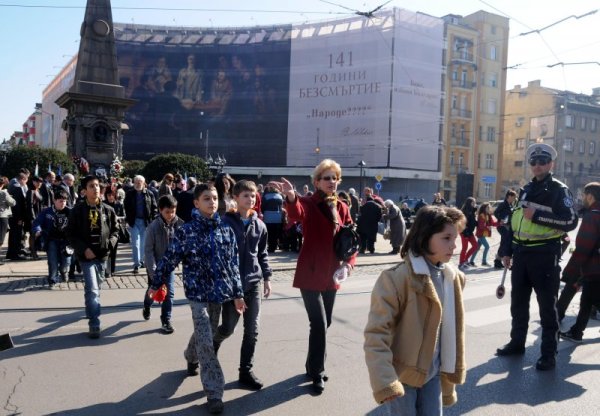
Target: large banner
(416, 121)
(207, 99)
(340, 95)
(356, 89)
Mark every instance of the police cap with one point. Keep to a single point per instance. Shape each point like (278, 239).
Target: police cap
(541, 150)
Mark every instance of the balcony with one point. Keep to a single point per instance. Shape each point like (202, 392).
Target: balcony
(454, 170)
(457, 112)
(463, 56)
(469, 85)
(459, 141)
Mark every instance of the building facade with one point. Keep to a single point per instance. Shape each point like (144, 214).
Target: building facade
(476, 56)
(563, 119)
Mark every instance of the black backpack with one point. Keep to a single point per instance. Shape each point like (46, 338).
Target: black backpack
(346, 242)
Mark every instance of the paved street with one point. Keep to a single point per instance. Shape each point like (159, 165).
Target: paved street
(135, 369)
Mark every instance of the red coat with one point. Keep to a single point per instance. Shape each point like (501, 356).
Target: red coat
(317, 261)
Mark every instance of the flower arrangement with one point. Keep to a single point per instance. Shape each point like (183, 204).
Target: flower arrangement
(116, 168)
(82, 164)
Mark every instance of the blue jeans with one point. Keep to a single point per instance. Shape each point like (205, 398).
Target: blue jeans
(482, 241)
(251, 316)
(138, 241)
(93, 275)
(167, 305)
(58, 262)
(423, 401)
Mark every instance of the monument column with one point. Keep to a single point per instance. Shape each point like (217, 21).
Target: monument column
(96, 102)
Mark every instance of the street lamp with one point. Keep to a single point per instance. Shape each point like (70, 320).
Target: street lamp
(217, 163)
(361, 165)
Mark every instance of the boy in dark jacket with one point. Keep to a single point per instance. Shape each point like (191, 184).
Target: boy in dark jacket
(51, 225)
(251, 236)
(159, 235)
(92, 231)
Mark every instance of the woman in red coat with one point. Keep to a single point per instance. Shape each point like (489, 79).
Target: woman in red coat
(321, 215)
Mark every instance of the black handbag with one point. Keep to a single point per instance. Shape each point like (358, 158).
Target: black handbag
(346, 242)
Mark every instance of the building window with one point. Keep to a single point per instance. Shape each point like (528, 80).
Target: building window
(451, 158)
(520, 121)
(478, 160)
(447, 184)
(461, 159)
(491, 134)
(489, 161)
(493, 53)
(453, 130)
(454, 101)
(487, 190)
(518, 163)
(491, 107)
(493, 80)
(493, 29)
(520, 144)
(593, 124)
(454, 75)
(568, 144)
(480, 133)
(582, 146)
(592, 148)
(570, 120)
(582, 123)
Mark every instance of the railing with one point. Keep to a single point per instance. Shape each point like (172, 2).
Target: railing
(457, 112)
(463, 56)
(458, 141)
(463, 84)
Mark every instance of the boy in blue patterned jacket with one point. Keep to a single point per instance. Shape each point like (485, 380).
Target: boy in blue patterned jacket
(208, 250)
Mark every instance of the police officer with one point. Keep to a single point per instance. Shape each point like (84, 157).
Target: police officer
(544, 213)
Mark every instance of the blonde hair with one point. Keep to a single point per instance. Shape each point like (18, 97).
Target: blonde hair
(327, 164)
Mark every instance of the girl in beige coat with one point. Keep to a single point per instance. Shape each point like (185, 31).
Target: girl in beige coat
(414, 338)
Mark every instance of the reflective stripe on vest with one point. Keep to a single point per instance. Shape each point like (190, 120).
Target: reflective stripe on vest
(525, 230)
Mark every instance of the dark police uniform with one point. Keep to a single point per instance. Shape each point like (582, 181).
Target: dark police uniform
(535, 246)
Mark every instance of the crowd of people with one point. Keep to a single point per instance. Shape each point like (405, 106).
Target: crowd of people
(223, 231)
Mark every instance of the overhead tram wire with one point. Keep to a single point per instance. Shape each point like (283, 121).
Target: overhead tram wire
(183, 9)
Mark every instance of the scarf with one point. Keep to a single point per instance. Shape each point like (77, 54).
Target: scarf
(328, 205)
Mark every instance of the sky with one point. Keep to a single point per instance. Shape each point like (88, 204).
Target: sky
(36, 42)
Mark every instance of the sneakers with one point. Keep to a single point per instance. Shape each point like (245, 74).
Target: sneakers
(498, 264)
(146, 313)
(167, 327)
(136, 270)
(215, 406)
(510, 349)
(142, 265)
(249, 380)
(463, 266)
(472, 264)
(192, 369)
(545, 363)
(94, 332)
(571, 336)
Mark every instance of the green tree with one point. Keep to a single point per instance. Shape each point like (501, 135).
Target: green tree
(27, 157)
(133, 167)
(181, 163)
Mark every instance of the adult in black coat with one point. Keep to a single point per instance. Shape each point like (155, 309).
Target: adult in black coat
(370, 215)
(185, 201)
(138, 220)
(17, 221)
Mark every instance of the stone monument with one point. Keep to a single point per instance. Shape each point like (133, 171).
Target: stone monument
(96, 102)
